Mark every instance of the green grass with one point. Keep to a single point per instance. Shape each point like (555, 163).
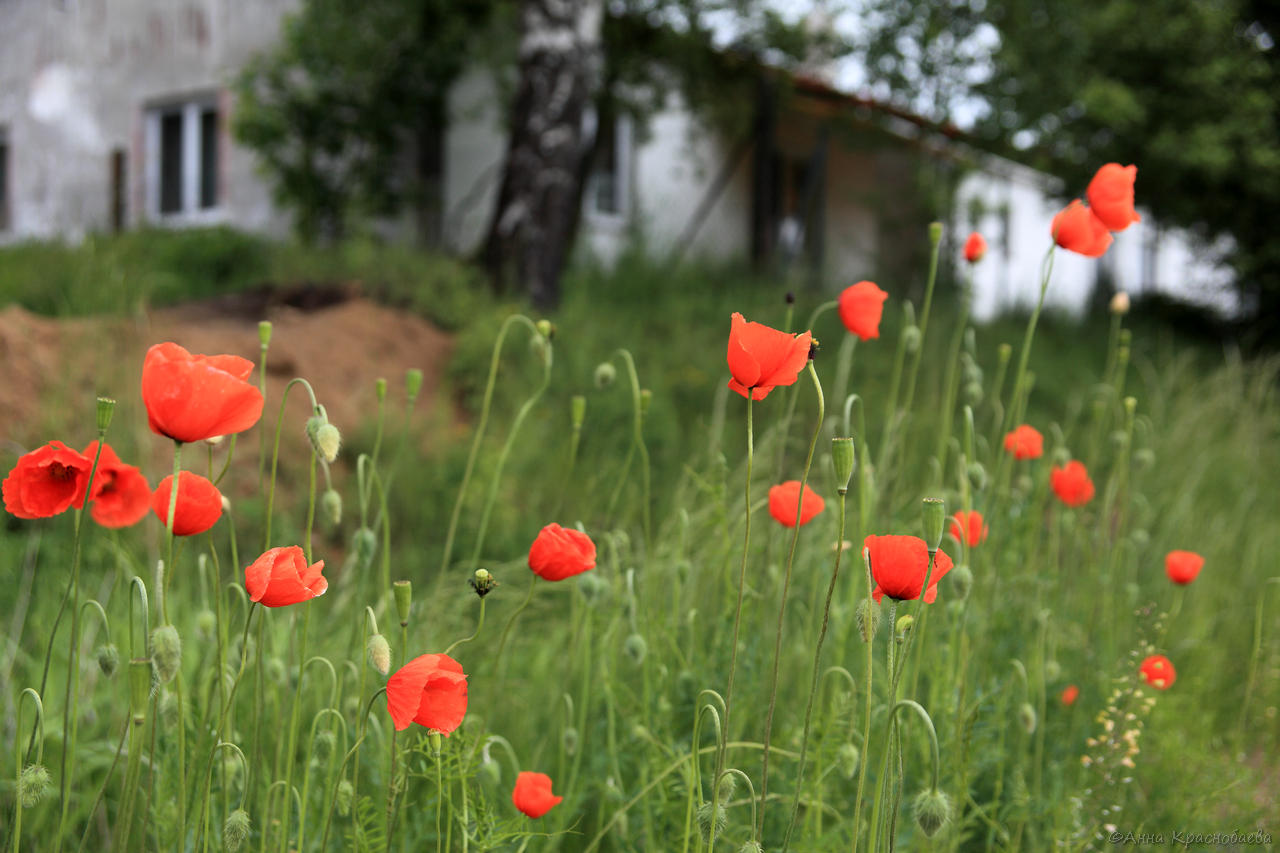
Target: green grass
(607, 715)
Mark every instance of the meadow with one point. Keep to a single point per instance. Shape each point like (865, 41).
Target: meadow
(691, 668)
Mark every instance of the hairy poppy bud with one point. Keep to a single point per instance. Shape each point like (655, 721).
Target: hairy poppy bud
(1120, 303)
(139, 688)
(577, 410)
(380, 389)
(106, 406)
(490, 772)
(636, 648)
(1027, 717)
(343, 799)
(569, 740)
(751, 846)
(911, 339)
(404, 598)
(364, 543)
(1144, 457)
(331, 504)
(973, 393)
(842, 462)
(728, 784)
(33, 784)
(539, 348)
(323, 745)
(961, 582)
(264, 332)
(933, 810)
(1052, 670)
(328, 441)
(166, 652)
(646, 400)
(605, 374)
(904, 626)
(721, 818)
(594, 588)
(167, 708)
(545, 329)
(868, 617)
(235, 832)
(206, 624)
(483, 583)
(108, 659)
(379, 653)
(412, 383)
(933, 516)
(847, 759)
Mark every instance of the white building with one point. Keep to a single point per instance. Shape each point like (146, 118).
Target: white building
(115, 113)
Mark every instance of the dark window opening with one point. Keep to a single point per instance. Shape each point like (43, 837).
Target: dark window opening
(605, 196)
(208, 158)
(171, 162)
(119, 189)
(4, 180)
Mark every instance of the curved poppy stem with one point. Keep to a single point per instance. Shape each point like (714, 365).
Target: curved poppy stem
(950, 384)
(786, 588)
(294, 719)
(924, 321)
(275, 460)
(638, 437)
(506, 629)
(203, 831)
(474, 634)
(37, 734)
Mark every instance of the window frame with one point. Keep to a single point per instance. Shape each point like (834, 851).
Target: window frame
(623, 148)
(192, 180)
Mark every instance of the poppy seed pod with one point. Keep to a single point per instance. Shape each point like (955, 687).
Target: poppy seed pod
(235, 832)
(166, 652)
(379, 653)
(403, 591)
(933, 811)
(605, 374)
(380, 389)
(933, 517)
(483, 582)
(108, 659)
(33, 784)
(1027, 717)
(847, 759)
(264, 332)
(842, 462)
(635, 648)
(577, 411)
(323, 745)
(412, 383)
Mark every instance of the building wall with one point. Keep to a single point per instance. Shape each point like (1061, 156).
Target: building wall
(76, 79)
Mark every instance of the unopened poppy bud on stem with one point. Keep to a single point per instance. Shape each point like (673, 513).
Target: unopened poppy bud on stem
(577, 411)
(380, 388)
(904, 626)
(364, 543)
(911, 339)
(933, 811)
(264, 332)
(1120, 303)
(33, 784)
(235, 832)
(404, 597)
(379, 653)
(412, 383)
(331, 503)
(166, 652)
(605, 374)
(1027, 718)
(842, 462)
(108, 659)
(935, 233)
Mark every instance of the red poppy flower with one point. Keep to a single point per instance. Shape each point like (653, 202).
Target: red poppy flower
(560, 552)
(1071, 483)
(1025, 442)
(861, 306)
(899, 564)
(194, 397)
(783, 502)
(532, 794)
(1110, 196)
(121, 494)
(281, 577)
(1069, 694)
(1157, 671)
(47, 481)
(199, 504)
(975, 248)
(430, 690)
(1182, 566)
(761, 358)
(1076, 229)
(968, 527)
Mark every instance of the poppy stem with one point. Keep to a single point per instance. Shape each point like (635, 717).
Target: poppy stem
(949, 386)
(294, 719)
(506, 629)
(786, 588)
(869, 640)
(474, 634)
(275, 460)
(37, 734)
(813, 684)
(924, 321)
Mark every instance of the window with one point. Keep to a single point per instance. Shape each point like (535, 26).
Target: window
(182, 159)
(608, 190)
(4, 180)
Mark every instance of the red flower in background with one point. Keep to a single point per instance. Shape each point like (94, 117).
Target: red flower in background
(1069, 694)
(1110, 196)
(861, 306)
(968, 527)
(194, 397)
(47, 481)
(1158, 671)
(899, 564)
(281, 577)
(430, 690)
(1183, 566)
(532, 794)
(784, 501)
(975, 248)
(1025, 442)
(121, 494)
(1076, 229)
(560, 552)
(761, 358)
(1071, 483)
(199, 504)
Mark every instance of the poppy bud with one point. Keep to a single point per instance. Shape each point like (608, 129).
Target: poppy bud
(975, 248)
(412, 383)
(577, 411)
(404, 597)
(206, 624)
(569, 740)
(1052, 670)
(331, 504)
(848, 758)
(594, 588)
(903, 627)
(264, 332)
(1144, 457)
(961, 582)
(1027, 717)
(379, 653)
(705, 813)
(105, 408)
(933, 810)
(490, 772)
(323, 745)
(842, 462)
(751, 846)
(166, 652)
(327, 442)
(868, 617)
(973, 393)
(935, 233)
(344, 795)
(235, 831)
(380, 388)
(364, 543)
(1120, 303)
(1140, 538)
(108, 659)
(139, 688)
(538, 348)
(483, 583)
(911, 339)
(545, 329)
(635, 648)
(33, 784)
(646, 400)
(605, 374)
(933, 516)
(728, 784)
(167, 708)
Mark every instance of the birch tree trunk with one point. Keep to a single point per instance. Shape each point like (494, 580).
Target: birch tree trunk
(535, 217)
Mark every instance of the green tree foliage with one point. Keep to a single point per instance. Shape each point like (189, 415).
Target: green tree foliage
(347, 110)
(1186, 90)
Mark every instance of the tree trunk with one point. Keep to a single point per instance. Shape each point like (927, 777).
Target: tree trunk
(535, 218)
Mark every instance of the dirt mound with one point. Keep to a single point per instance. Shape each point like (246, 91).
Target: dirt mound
(50, 369)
